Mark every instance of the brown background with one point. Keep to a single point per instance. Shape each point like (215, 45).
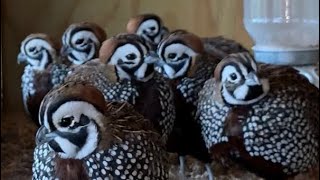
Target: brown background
(20, 18)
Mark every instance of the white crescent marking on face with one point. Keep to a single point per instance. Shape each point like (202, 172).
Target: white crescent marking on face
(146, 25)
(122, 51)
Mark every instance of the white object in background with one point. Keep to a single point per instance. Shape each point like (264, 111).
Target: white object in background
(284, 31)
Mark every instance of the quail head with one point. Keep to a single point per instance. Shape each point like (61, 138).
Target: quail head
(84, 137)
(81, 42)
(264, 116)
(149, 26)
(40, 53)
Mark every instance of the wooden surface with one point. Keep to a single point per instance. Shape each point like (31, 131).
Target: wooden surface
(20, 18)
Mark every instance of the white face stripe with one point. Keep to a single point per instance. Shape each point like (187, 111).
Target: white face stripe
(86, 35)
(227, 71)
(231, 100)
(121, 53)
(241, 92)
(178, 49)
(75, 109)
(69, 149)
(146, 25)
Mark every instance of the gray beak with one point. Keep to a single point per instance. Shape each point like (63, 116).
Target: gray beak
(252, 79)
(65, 50)
(21, 58)
(44, 136)
(151, 58)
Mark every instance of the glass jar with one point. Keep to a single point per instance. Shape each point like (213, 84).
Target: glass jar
(284, 31)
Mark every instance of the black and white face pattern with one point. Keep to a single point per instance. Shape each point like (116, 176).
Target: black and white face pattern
(73, 128)
(149, 29)
(80, 45)
(37, 52)
(129, 60)
(176, 58)
(240, 83)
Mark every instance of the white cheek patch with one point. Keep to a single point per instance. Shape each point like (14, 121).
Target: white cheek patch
(241, 92)
(184, 69)
(140, 73)
(146, 25)
(121, 53)
(69, 149)
(178, 49)
(170, 72)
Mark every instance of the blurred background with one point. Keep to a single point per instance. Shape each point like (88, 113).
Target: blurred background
(19, 18)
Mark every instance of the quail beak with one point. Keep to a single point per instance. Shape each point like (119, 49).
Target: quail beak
(151, 58)
(44, 136)
(252, 79)
(65, 50)
(21, 58)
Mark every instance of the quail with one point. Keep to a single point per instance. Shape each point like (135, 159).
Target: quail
(85, 137)
(81, 42)
(43, 71)
(263, 116)
(148, 26)
(129, 53)
(187, 65)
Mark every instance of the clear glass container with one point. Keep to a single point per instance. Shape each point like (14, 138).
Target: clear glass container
(283, 31)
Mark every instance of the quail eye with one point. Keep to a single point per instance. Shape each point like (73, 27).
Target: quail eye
(66, 121)
(79, 41)
(32, 49)
(172, 55)
(131, 56)
(233, 76)
(153, 28)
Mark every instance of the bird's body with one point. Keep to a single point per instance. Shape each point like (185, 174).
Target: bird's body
(88, 138)
(42, 72)
(274, 130)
